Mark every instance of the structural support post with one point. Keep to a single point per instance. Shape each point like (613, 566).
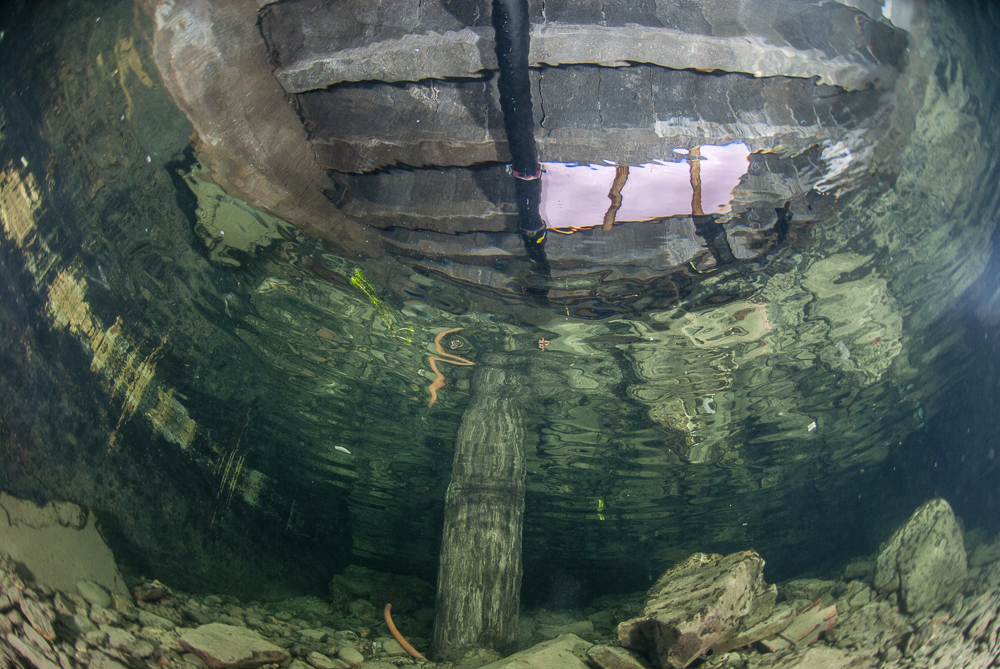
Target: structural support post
(479, 577)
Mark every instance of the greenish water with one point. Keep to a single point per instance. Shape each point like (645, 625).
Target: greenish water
(238, 412)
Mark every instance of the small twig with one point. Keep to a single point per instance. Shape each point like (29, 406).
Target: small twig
(399, 637)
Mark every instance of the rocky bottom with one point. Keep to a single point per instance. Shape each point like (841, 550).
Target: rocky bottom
(921, 601)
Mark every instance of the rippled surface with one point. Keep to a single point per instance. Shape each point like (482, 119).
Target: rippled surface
(746, 409)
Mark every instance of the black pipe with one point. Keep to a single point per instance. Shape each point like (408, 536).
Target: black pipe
(512, 29)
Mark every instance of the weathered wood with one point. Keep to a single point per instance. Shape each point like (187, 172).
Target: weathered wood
(479, 578)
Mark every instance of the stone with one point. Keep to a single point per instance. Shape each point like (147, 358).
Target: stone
(351, 656)
(103, 616)
(615, 657)
(565, 652)
(821, 657)
(924, 560)
(780, 617)
(856, 595)
(40, 538)
(31, 653)
(147, 619)
(126, 642)
(224, 646)
(578, 628)
(319, 636)
(694, 605)
(231, 621)
(871, 628)
(40, 617)
(320, 661)
(96, 638)
(392, 648)
(809, 589)
(99, 660)
(63, 605)
(151, 591)
(805, 628)
(198, 615)
(859, 568)
(94, 593)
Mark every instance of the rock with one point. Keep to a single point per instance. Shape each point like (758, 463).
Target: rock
(351, 656)
(223, 646)
(126, 642)
(615, 657)
(693, 606)
(78, 624)
(320, 661)
(566, 652)
(602, 619)
(870, 628)
(31, 653)
(96, 638)
(197, 615)
(319, 636)
(856, 595)
(94, 593)
(63, 605)
(147, 619)
(475, 658)
(809, 589)
(99, 660)
(821, 657)
(805, 628)
(859, 568)
(924, 560)
(102, 616)
(578, 628)
(40, 538)
(40, 617)
(151, 591)
(392, 648)
(780, 618)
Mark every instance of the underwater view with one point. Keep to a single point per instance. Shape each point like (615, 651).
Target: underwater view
(522, 333)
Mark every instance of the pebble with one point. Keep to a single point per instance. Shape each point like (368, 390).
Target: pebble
(147, 619)
(351, 656)
(318, 636)
(94, 594)
(103, 616)
(320, 661)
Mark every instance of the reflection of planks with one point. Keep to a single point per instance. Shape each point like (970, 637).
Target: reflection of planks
(615, 195)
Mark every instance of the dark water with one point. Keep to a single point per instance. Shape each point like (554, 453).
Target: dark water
(243, 417)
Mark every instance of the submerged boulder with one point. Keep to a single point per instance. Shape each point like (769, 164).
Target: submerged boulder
(924, 560)
(696, 604)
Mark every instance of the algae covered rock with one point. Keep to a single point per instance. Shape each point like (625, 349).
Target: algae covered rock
(693, 606)
(924, 560)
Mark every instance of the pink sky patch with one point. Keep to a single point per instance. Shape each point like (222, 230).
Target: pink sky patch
(576, 196)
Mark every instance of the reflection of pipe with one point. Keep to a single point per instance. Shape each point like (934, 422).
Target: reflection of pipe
(615, 195)
(510, 23)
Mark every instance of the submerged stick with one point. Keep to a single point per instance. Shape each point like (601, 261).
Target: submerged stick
(399, 637)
